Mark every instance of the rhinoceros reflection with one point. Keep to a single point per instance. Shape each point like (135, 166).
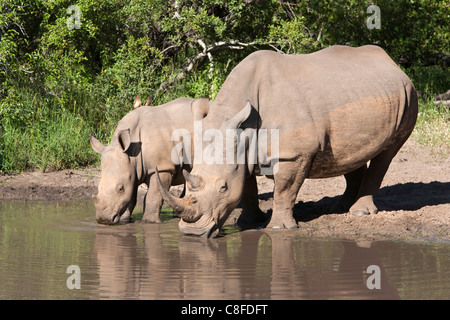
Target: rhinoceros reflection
(149, 264)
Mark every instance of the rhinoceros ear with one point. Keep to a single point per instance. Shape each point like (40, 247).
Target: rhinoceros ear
(200, 108)
(124, 139)
(97, 146)
(238, 119)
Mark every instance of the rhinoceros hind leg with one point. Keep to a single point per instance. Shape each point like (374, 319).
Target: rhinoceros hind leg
(371, 182)
(353, 180)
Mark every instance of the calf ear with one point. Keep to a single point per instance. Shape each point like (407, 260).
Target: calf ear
(96, 145)
(124, 139)
(200, 108)
(238, 119)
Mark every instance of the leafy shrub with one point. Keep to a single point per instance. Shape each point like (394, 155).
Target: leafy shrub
(59, 83)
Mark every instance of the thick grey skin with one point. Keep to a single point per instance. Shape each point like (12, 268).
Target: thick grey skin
(142, 141)
(335, 109)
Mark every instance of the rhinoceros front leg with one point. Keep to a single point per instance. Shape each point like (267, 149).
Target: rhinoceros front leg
(251, 213)
(153, 200)
(288, 181)
(126, 216)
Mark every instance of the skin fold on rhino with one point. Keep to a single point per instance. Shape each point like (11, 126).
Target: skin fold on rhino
(142, 141)
(335, 110)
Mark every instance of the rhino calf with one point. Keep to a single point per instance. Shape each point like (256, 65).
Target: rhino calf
(335, 110)
(142, 141)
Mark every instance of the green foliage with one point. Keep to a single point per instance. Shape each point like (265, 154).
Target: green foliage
(429, 80)
(35, 136)
(57, 83)
(432, 128)
(412, 31)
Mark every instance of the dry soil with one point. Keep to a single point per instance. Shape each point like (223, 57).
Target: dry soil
(413, 202)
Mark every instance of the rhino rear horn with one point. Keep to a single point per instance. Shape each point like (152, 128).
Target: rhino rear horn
(185, 208)
(196, 182)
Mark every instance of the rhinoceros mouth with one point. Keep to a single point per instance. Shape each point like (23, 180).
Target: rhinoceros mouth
(208, 230)
(109, 221)
(106, 216)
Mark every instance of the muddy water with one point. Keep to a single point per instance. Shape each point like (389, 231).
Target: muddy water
(40, 240)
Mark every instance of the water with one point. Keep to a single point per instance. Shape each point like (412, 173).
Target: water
(40, 240)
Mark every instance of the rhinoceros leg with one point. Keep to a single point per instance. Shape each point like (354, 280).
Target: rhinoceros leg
(153, 200)
(371, 181)
(126, 216)
(251, 213)
(288, 180)
(379, 165)
(353, 180)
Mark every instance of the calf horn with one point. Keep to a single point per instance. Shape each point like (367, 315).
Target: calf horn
(183, 207)
(196, 182)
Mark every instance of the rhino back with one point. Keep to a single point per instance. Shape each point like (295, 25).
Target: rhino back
(153, 128)
(344, 103)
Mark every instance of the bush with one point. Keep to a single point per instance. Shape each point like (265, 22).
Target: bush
(37, 137)
(429, 80)
(59, 83)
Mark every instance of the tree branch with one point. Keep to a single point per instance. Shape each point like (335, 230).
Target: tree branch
(207, 51)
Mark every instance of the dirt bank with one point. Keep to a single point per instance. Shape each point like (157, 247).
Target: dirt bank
(58, 185)
(414, 200)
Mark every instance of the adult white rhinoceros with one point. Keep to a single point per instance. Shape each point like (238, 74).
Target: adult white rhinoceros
(142, 141)
(334, 110)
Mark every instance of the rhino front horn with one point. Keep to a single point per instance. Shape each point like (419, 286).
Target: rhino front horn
(185, 207)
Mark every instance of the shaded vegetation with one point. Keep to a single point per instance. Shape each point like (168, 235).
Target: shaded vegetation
(61, 77)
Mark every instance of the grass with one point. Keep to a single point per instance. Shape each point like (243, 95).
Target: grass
(60, 143)
(433, 127)
(433, 122)
(39, 134)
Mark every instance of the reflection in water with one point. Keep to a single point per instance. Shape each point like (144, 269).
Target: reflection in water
(247, 265)
(142, 261)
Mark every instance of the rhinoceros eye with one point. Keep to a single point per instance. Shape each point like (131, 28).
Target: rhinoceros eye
(120, 188)
(221, 185)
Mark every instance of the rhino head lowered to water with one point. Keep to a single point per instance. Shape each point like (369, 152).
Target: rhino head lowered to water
(334, 110)
(142, 141)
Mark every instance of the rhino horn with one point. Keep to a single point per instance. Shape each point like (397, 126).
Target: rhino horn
(186, 208)
(196, 182)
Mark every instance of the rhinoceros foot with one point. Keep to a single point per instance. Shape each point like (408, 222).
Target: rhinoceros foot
(364, 206)
(151, 218)
(285, 221)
